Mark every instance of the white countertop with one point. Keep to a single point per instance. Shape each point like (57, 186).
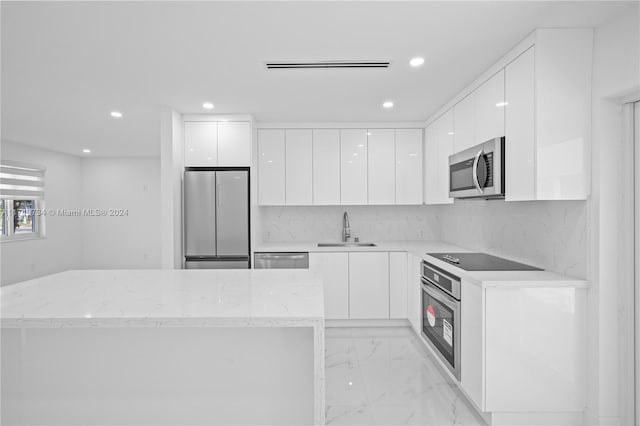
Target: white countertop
(421, 248)
(95, 298)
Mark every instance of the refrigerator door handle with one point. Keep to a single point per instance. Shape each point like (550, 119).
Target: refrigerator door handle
(219, 195)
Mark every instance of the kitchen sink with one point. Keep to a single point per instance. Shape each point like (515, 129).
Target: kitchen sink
(346, 245)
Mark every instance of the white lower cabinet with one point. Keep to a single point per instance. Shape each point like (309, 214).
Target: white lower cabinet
(397, 285)
(414, 293)
(471, 373)
(522, 351)
(334, 270)
(368, 285)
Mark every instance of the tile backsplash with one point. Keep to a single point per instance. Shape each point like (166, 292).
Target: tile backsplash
(548, 234)
(369, 223)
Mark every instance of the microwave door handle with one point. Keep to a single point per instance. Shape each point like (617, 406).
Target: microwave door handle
(475, 171)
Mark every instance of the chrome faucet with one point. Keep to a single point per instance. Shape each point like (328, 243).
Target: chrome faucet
(346, 232)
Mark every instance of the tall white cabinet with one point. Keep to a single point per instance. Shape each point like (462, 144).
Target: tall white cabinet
(381, 152)
(548, 90)
(439, 145)
(408, 169)
(298, 167)
(271, 167)
(326, 167)
(353, 166)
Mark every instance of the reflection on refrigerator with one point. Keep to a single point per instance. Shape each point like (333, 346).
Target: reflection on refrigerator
(216, 218)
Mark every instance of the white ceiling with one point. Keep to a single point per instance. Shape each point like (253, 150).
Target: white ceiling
(66, 65)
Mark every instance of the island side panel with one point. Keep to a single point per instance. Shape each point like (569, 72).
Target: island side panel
(162, 376)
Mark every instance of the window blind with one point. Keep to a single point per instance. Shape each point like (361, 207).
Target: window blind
(21, 182)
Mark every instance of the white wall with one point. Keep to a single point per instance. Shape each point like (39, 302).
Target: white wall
(61, 248)
(121, 242)
(548, 234)
(616, 74)
(369, 223)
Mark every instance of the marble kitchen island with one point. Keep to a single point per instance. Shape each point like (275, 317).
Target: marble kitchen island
(164, 347)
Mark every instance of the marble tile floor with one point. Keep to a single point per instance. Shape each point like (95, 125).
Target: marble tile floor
(385, 376)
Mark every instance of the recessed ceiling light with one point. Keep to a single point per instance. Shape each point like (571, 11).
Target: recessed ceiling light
(388, 104)
(207, 105)
(501, 104)
(416, 62)
(116, 114)
(86, 151)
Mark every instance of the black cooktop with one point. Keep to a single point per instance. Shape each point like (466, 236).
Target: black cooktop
(482, 262)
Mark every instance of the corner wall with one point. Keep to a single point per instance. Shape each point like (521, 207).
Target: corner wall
(129, 238)
(616, 74)
(60, 250)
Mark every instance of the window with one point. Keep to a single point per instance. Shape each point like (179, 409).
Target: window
(21, 201)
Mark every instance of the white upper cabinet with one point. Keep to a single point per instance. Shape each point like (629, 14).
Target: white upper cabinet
(563, 64)
(520, 128)
(271, 167)
(200, 143)
(381, 166)
(326, 167)
(480, 115)
(489, 109)
(408, 167)
(541, 103)
(439, 142)
(446, 139)
(464, 113)
(234, 143)
(298, 166)
(353, 166)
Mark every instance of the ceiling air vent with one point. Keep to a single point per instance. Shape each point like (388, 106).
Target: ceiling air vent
(327, 64)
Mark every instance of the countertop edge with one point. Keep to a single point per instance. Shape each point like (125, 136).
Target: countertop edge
(303, 321)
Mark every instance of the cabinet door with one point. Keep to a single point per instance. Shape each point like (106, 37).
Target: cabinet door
(200, 144)
(381, 166)
(334, 270)
(520, 128)
(353, 166)
(464, 112)
(326, 167)
(271, 170)
(414, 294)
(234, 143)
(430, 163)
(368, 285)
(299, 158)
(408, 166)
(490, 106)
(445, 129)
(471, 347)
(398, 285)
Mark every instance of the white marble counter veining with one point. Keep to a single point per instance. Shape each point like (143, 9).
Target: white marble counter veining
(95, 298)
(421, 248)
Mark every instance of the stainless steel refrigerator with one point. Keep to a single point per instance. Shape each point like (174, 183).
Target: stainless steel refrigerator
(216, 218)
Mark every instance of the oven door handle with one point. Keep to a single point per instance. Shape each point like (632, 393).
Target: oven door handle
(475, 171)
(439, 295)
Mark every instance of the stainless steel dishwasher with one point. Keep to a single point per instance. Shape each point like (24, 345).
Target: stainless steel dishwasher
(279, 260)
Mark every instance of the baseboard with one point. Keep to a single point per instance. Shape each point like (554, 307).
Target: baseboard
(592, 419)
(367, 323)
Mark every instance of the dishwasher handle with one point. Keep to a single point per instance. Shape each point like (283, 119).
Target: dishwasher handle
(295, 260)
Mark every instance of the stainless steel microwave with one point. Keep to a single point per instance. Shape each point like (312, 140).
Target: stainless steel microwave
(478, 172)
